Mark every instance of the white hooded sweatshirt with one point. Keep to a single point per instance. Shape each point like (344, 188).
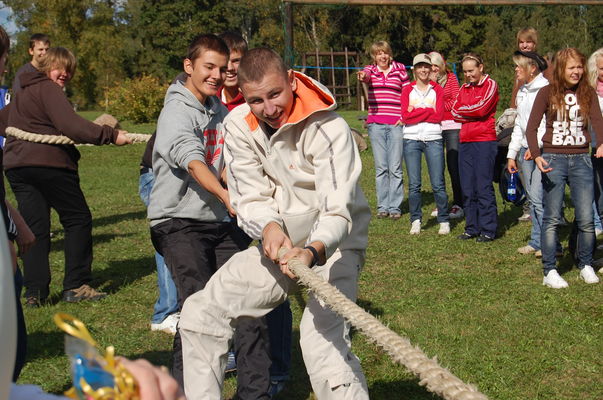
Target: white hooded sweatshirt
(303, 177)
(525, 100)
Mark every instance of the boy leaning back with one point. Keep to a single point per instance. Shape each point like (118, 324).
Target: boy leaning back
(293, 171)
(189, 208)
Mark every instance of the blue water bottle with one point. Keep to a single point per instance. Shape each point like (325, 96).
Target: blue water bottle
(512, 188)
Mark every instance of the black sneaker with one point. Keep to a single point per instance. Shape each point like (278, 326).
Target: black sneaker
(465, 236)
(484, 238)
(32, 302)
(84, 292)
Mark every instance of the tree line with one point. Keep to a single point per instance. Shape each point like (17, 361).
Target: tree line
(114, 40)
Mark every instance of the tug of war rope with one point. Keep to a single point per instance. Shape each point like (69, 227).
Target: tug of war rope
(435, 378)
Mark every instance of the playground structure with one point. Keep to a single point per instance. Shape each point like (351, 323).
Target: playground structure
(334, 73)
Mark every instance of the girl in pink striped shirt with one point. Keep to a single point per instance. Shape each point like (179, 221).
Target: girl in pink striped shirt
(385, 79)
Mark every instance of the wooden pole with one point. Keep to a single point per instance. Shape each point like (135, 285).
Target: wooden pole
(347, 77)
(288, 11)
(333, 74)
(448, 2)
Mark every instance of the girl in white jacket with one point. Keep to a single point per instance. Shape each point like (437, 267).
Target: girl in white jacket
(528, 69)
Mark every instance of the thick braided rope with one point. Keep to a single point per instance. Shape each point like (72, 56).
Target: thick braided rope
(60, 139)
(435, 378)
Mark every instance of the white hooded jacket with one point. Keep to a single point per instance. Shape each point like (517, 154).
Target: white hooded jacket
(525, 100)
(304, 177)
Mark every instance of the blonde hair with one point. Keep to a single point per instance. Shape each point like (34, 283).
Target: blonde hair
(524, 63)
(380, 46)
(58, 57)
(593, 73)
(437, 59)
(530, 34)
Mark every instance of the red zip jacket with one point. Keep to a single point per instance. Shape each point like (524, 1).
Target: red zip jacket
(434, 97)
(475, 107)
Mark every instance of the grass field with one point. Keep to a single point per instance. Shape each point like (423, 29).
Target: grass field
(480, 308)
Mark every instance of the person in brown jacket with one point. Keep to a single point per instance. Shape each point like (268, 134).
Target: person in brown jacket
(45, 175)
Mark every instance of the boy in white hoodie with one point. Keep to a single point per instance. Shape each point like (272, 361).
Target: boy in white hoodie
(293, 173)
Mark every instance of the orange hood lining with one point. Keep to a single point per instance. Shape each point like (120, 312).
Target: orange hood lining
(307, 99)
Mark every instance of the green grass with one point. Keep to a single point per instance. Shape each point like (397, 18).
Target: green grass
(480, 308)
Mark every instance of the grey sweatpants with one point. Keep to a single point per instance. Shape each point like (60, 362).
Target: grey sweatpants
(250, 285)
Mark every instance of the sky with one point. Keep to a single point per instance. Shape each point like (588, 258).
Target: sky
(5, 13)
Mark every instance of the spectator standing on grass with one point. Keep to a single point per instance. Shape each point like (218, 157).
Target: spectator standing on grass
(422, 110)
(38, 46)
(570, 105)
(450, 130)
(527, 41)
(385, 79)
(44, 176)
(190, 212)
(595, 78)
(475, 107)
(528, 69)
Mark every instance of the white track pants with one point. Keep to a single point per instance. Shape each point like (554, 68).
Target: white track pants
(250, 285)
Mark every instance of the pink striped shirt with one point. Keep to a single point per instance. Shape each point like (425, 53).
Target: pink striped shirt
(384, 93)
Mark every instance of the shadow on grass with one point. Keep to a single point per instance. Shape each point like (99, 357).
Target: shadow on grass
(123, 272)
(404, 390)
(45, 345)
(113, 219)
(58, 244)
(508, 217)
(156, 357)
(369, 307)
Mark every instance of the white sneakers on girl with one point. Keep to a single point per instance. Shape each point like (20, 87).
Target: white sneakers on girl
(554, 280)
(415, 227)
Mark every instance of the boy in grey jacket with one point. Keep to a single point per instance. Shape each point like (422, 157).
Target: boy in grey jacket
(189, 211)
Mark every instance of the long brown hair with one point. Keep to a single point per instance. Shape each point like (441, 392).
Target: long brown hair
(584, 92)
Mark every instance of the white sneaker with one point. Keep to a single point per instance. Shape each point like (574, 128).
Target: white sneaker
(553, 280)
(456, 212)
(588, 275)
(526, 217)
(415, 227)
(434, 213)
(444, 228)
(527, 249)
(168, 325)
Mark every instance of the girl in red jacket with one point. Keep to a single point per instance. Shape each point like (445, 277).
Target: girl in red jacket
(475, 107)
(422, 110)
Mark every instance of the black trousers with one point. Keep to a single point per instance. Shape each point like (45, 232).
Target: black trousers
(37, 189)
(193, 252)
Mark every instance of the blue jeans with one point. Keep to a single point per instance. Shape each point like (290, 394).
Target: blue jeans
(386, 142)
(576, 170)
(434, 155)
(167, 302)
(531, 178)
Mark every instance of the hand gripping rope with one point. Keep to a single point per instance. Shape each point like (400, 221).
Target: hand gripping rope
(435, 378)
(60, 139)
